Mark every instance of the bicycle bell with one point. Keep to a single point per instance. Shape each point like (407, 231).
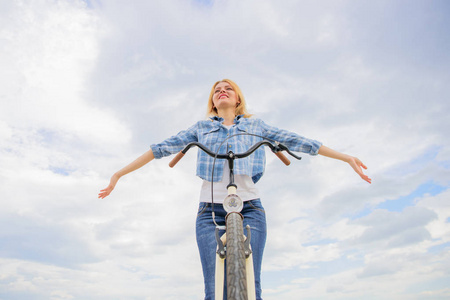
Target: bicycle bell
(233, 203)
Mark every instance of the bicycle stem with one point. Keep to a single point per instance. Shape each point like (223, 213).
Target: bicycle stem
(231, 187)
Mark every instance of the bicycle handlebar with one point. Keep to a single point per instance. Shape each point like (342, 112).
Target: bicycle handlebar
(276, 148)
(176, 159)
(283, 158)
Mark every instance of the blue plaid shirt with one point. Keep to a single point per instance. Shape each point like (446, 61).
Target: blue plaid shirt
(212, 133)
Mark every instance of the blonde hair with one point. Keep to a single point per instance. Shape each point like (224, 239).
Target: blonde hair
(241, 108)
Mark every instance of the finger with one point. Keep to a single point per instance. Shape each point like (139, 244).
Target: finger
(359, 171)
(103, 195)
(363, 176)
(366, 178)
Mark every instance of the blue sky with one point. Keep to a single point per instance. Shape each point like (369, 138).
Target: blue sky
(89, 85)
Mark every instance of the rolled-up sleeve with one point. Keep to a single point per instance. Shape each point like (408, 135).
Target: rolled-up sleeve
(292, 140)
(175, 143)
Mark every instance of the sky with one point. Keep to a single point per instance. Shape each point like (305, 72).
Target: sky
(88, 86)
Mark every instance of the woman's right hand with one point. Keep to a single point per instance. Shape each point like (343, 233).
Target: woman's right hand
(112, 184)
(136, 164)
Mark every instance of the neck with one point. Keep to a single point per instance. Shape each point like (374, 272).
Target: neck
(228, 116)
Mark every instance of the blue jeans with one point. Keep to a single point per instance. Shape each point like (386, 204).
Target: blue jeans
(254, 216)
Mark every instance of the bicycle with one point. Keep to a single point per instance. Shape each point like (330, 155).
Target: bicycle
(234, 246)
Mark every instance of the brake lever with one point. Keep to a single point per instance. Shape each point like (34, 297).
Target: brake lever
(283, 147)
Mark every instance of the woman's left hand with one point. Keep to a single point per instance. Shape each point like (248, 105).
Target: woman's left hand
(357, 165)
(354, 162)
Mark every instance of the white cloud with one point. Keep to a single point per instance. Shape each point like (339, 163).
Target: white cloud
(48, 52)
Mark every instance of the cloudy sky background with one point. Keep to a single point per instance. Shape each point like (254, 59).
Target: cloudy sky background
(87, 86)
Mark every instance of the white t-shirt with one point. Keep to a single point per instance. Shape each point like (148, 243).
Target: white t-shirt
(246, 188)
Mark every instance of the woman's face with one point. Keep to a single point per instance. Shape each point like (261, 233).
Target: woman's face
(224, 96)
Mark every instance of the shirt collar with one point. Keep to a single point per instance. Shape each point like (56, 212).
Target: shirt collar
(238, 119)
(220, 120)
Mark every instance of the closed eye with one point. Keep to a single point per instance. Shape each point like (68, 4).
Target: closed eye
(228, 88)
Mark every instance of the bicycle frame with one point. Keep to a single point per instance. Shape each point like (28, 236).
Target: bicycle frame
(233, 205)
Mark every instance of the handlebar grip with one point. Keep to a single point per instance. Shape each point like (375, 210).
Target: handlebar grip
(283, 158)
(176, 159)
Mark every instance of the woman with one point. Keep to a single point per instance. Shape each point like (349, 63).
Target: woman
(227, 109)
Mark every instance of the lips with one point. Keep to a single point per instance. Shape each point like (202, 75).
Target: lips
(223, 96)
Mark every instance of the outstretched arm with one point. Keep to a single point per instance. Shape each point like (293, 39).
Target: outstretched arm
(139, 162)
(354, 162)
